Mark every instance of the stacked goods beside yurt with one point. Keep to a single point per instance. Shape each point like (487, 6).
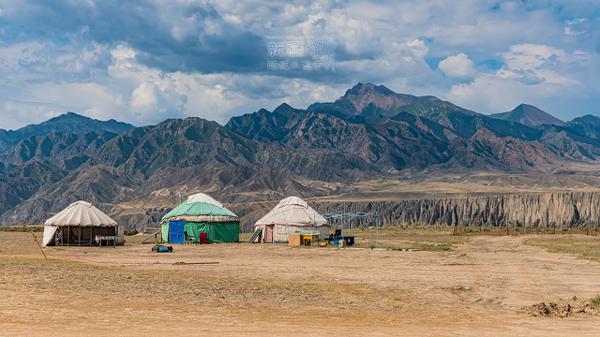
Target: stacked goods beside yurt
(292, 215)
(200, 218)
(81, 224)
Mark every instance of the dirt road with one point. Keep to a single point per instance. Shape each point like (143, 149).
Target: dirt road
(478, 289)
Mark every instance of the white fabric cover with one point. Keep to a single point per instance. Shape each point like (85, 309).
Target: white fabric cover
(48, 235)
(79, 213)
(281, 232)
(201, 197)
(292, 211)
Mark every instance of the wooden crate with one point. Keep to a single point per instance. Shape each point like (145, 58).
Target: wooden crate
(294, 240)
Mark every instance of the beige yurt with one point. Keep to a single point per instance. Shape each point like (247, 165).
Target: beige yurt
(80, 224)
(291, 215)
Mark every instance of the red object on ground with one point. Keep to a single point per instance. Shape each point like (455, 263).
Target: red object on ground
(202, 238)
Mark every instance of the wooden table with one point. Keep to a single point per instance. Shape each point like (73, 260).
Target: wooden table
(307, 239)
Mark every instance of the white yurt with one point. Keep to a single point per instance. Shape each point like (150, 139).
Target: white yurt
(291, 215)
(80, 224)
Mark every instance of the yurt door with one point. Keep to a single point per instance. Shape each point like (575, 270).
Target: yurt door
(269, 233)
(176, 232)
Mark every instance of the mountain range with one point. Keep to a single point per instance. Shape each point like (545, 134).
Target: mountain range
(69, 122)
(371, 132)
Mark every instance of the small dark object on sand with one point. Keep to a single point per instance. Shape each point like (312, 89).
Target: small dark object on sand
(162, 249)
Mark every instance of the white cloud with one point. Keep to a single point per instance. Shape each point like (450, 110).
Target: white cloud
(491, 94)
(35, 61)
(354, 36)
(529, 56)
(536, 63)
(39, 101)
(576, 27)
(459, 66)
(399, 61)
(26, 112)
(532, 73)
(122, 52)
(143, 98)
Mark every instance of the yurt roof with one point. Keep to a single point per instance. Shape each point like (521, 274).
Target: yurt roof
(205, 198)
(198, 205)
(292, 211)
(81, 213)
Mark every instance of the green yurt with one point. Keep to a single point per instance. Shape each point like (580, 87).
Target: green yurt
(200, 219)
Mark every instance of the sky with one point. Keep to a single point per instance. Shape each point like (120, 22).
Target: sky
(145, 61)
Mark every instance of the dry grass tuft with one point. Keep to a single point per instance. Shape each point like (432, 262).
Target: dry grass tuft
(406, 238)
(596, 301)
(22, 228)
(585, 246)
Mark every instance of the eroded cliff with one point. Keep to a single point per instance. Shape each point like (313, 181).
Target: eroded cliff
(529, 210)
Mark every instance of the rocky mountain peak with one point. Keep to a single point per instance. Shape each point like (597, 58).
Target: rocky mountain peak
(364, 94)
(285, 110)
(529, 115)
(589, 118)
(361, 89)
(588, 126)
(69, 115)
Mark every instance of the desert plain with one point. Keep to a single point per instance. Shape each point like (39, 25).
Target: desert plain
(410, 282)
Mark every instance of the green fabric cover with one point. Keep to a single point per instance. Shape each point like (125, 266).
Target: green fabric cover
(223, 232)
(198, 209)
(216, 232)
(165, 232)
(194, 229)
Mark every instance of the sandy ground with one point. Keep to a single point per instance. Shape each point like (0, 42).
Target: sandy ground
(478, 289)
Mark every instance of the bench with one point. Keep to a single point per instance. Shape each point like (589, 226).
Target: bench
(106, 239)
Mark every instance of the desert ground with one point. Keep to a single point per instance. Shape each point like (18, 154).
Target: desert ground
(442, 285)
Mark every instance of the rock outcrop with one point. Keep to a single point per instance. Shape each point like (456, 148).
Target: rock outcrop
(567, 209)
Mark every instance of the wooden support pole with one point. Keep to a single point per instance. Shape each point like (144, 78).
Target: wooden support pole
(39, 245)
